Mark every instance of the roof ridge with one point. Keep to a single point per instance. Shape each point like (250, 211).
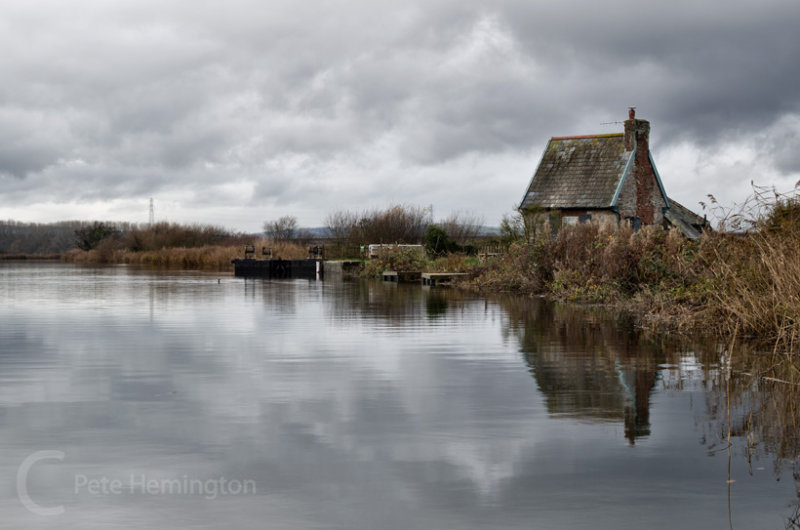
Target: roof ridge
(584, 136)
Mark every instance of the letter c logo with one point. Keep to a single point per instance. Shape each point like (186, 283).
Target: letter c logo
(22, 483)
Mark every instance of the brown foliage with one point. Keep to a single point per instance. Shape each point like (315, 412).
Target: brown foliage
(209, 257)
(747, 282)
(462, 227)
(172, 235)
(591, 261)
(396, 224)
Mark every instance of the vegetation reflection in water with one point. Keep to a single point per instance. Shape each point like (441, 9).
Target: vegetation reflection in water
(594, 367)
(579, 371)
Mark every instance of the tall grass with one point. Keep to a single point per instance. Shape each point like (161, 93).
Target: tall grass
(413, 261)
(208, 257)
(748, 282)
(756, 275)
(173, 246)
(592, 262)
(213, 258)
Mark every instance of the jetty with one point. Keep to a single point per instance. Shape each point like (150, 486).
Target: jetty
(439, 278)
(312, 268)
(431, 279)
(401, 276)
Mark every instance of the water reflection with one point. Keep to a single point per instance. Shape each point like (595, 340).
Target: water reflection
(591, 365)
(366, 405)
(600, 368)
(587, 369)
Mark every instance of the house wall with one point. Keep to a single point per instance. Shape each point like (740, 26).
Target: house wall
(626, 202)
(598, 216)
(545, 223)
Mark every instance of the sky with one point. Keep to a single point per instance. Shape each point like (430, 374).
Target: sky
(237, 112)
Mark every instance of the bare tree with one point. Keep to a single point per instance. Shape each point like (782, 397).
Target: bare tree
(342, 224)
(462, 227)
(282, 229)
(396, 224)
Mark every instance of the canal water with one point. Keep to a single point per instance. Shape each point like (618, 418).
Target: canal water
(146, 399)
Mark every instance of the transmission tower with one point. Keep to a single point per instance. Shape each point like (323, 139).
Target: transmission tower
(152, 213)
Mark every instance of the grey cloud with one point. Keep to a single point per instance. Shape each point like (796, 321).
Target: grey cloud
(149, 97)
(718, 67)
(781, 144)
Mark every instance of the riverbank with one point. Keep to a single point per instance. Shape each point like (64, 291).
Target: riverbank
(22, 257)
(206, 258)
(744, 285)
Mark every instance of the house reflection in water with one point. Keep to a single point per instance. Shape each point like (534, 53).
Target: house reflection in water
(585, 368)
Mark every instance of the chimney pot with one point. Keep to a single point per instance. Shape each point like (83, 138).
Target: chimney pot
(631, 113)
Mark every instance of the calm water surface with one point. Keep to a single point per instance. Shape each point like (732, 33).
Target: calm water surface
(189, 400)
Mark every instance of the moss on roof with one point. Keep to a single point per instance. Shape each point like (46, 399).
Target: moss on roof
(579, 172)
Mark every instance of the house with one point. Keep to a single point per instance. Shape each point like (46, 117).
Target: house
(605, 178)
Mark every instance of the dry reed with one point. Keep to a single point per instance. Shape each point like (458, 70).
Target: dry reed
(749, 281)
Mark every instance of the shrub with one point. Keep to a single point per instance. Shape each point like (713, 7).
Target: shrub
(282, 229)
(172, 235)
(88, 237)
(395, 260)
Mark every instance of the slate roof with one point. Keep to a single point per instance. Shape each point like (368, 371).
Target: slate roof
(689, 223)
(579, 172)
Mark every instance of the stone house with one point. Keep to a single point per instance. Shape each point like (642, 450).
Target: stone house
(605, 178)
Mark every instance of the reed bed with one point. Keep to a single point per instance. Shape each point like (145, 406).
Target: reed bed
(747, 283)
(414, 261)
(210, 258)
(19, 257)
(206, 257)
(756, 284)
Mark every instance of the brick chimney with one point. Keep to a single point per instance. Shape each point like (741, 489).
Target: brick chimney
(649, 200)
(637, 132)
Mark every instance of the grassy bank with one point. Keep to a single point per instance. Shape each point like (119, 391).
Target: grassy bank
(17, 257)
(410, 260)
(205, 257)
(212, 258)
(746, 284)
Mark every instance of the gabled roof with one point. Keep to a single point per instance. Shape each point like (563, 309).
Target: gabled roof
(689, 223)
(580, 172)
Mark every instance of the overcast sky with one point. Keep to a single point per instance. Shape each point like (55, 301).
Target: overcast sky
(240, 111)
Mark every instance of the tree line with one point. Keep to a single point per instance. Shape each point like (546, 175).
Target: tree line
(54, 238)
(394, 224)
(18, 237)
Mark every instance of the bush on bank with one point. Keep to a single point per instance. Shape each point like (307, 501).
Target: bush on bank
(747, 283)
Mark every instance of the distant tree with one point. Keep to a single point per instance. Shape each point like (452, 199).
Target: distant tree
(282, 229)
(438, 243)
(173, 235)
(342, 225)
(462, 227)
(513, 229)
(88, 237)
(396, 224)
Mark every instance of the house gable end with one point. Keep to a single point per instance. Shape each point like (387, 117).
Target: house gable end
(658, 178)
(623, 179)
